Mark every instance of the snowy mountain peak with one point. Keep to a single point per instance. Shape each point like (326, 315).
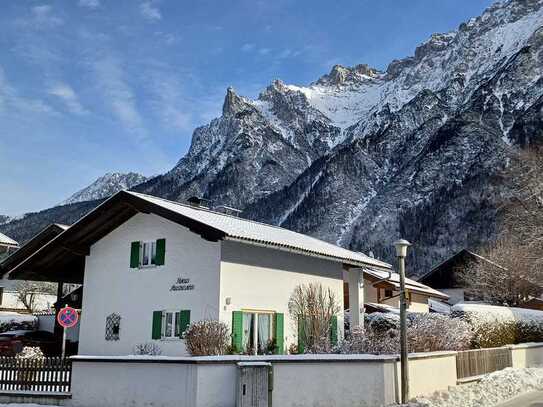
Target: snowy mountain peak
(342, 75)
(106, 185)
(233, 103)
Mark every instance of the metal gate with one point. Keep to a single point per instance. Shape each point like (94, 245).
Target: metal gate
(255, 384)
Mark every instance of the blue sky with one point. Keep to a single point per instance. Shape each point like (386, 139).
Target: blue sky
(93, 86)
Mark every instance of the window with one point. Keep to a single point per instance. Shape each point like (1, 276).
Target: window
(148, 254)
(388, 293)
(258, 331)
(113, 327)
(170, 324)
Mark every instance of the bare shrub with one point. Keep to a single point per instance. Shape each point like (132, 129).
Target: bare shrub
(313, 306)
(425, 333)
(436, 332)
(148, 348)
(207, 337)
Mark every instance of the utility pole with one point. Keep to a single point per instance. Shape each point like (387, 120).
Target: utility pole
(401, 253)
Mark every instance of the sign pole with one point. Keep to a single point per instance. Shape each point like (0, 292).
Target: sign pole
(66, 318)
(64, 340)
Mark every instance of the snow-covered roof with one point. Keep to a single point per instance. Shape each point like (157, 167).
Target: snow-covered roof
(4, 240)
(248, 231)
(412, 285)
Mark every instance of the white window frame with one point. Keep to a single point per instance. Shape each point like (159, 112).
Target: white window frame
(151, 246)
(175, 315)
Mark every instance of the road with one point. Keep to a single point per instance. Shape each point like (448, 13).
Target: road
(532, 399)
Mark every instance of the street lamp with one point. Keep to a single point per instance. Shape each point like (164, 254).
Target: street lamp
(401, 252)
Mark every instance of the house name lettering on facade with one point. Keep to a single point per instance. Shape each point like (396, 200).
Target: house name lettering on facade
(182, 284)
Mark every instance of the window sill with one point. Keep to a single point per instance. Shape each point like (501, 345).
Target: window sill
(151, 266)
(172, 339)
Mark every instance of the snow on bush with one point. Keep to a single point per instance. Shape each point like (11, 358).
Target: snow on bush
(495, 326)
(12, 321)
(207, 337)
(425, 333)
(493, 389)
(148, 348)
(30, 352)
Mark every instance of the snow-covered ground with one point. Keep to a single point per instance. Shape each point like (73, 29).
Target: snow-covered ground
(492, 390)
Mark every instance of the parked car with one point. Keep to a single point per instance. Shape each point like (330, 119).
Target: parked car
(12, 342)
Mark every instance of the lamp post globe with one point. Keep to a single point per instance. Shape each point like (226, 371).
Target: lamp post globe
(401, 247)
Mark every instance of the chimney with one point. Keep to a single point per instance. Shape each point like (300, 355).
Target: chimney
(198, 202)
(228, 210)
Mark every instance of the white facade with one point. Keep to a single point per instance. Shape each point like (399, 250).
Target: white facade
(226, 277)
(258, 279)
(111, 286)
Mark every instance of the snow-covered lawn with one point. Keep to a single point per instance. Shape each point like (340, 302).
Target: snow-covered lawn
(493, 389)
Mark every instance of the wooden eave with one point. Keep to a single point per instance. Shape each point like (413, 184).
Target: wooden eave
(63, 258)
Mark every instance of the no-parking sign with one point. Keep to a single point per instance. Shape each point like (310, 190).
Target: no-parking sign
(67, 317)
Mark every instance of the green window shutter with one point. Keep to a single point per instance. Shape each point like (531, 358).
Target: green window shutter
(301, 335)
(134, 255)
(279, 334)
(333, 330)
(156, 332)
(160, 252)
(237, 330)
(184, 321)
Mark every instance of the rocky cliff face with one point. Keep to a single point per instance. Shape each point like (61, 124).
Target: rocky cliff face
(361, 157)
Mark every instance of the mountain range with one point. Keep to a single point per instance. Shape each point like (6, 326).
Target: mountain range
(361, 156)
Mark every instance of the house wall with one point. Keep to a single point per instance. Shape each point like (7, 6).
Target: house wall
(257, 278)
(111, 286)
(456, 295)
(419, 302)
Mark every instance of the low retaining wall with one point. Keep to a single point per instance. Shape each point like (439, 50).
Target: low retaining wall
(429, 372)
(527, 354)
(298, 380)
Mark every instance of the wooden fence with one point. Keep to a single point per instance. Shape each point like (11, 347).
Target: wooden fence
(48, 375)
(476, 362)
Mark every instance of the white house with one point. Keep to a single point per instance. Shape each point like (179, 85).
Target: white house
(150, 267)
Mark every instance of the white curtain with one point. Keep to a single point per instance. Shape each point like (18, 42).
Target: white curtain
(264, 332)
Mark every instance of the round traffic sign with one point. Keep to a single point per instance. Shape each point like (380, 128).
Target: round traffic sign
(67, 317)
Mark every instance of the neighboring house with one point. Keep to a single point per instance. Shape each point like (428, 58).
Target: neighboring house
(149, 267)
(446, 277)
(9, 298)
(7, 246)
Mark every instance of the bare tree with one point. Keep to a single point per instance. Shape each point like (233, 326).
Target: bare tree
(515, 270)
(505, 275)
(312, 307)
(29, 292)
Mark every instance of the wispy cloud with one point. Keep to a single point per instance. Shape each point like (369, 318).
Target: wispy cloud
(92, 4)
(168, 102)
(117, 93)
(150, 11)
(41, 17)
(68, 96)
(12, 101)
(247, 47)
(264, 51)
